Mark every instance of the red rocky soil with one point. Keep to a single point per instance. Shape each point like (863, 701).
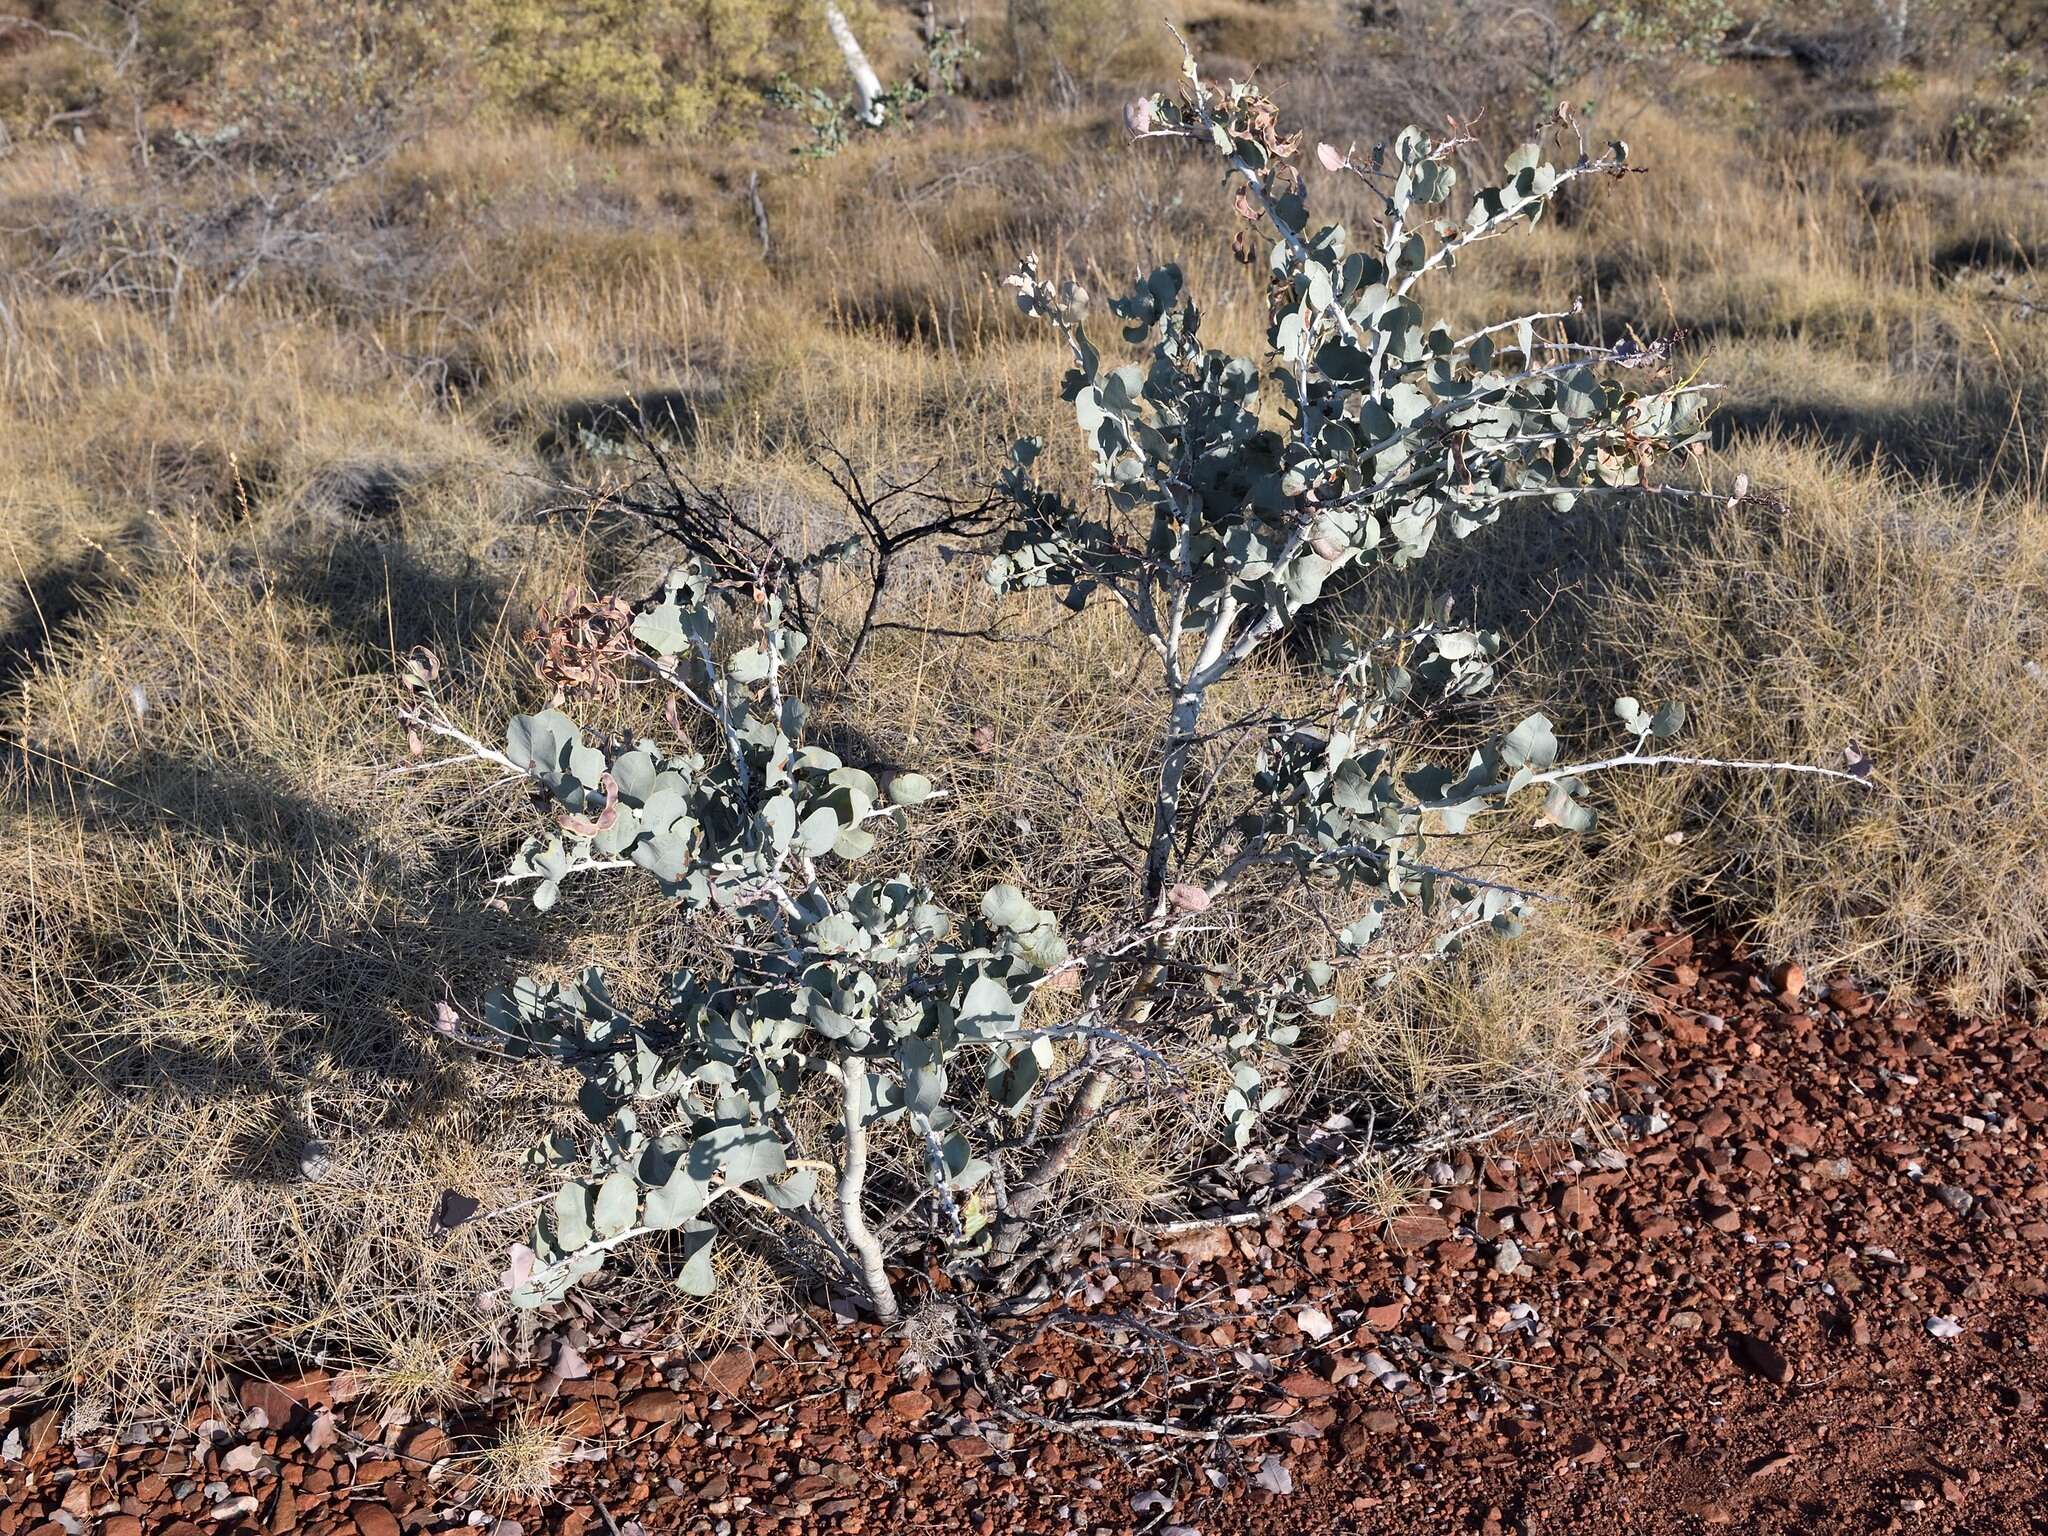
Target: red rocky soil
(1799, 1288)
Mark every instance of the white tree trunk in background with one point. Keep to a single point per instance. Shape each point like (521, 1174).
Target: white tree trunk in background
(1894, 15)
(865, 80)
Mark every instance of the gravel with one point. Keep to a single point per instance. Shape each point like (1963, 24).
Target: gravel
(1625, 1361)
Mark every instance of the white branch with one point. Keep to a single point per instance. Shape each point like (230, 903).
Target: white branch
(1465, 343)
(852, 1184)
(865, 81)
(1675, 760)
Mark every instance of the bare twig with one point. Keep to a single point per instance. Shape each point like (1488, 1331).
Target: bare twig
(760, 215)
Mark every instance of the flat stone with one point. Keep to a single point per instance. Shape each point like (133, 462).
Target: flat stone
(282, 1403)
(1417, 1229)
(728, 1372)
(427, 1442)
(1209, 1245)
(910, 1406)
(1458, 1253)
(657, 1405)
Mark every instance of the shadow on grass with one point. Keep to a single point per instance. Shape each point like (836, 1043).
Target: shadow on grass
(1985, 250)
(51, 605)
(1964, 444)
(284, 906)
(384, 597)
(614, 421)
(228, 890)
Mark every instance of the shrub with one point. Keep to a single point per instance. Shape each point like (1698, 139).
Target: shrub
(1994, 125)
(1643, 31)
(1228, 493)
(1059, 45)
(1525, 58)
(70, 60)
(587, 66)
(627, 70)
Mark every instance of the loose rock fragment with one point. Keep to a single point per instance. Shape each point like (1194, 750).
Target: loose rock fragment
(1760, 1358)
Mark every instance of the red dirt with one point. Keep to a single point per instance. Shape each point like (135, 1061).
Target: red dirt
(1723, 1321)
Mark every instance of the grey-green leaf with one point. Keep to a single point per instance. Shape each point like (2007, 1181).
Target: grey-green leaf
(617, 1203)
(909, 789)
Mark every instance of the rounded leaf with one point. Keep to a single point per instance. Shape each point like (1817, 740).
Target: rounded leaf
(909, 789)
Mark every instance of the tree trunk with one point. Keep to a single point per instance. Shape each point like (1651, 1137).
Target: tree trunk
(853, 1176)
(1894, 15)
(865, 81)
(1180, 746)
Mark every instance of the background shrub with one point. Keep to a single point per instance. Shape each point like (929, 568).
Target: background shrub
(1066, 45)
(631, 70)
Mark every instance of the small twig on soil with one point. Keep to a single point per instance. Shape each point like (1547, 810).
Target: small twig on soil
(1294, 1197)
(1226, 1431)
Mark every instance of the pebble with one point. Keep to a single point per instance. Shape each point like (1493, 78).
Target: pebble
(1760, 1357)
(657, 1405)
(1960, 1201)
(1382, 1370)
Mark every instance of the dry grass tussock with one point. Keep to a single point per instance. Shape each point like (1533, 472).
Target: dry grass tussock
(1880, 587)
(1499, 1035)
(1865, 608)
(521, 1464)
(221, 928)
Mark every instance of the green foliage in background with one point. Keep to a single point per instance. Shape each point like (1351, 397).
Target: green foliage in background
(644, 69)
(1998, 121)
(834, 119)
(1643, 30)
(611, 69)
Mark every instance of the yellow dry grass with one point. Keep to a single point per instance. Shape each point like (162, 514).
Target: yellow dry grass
(221, 929)
(1866, 609)
(521, 1464)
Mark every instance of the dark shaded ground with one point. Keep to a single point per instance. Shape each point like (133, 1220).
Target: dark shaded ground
(1729, 1316)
